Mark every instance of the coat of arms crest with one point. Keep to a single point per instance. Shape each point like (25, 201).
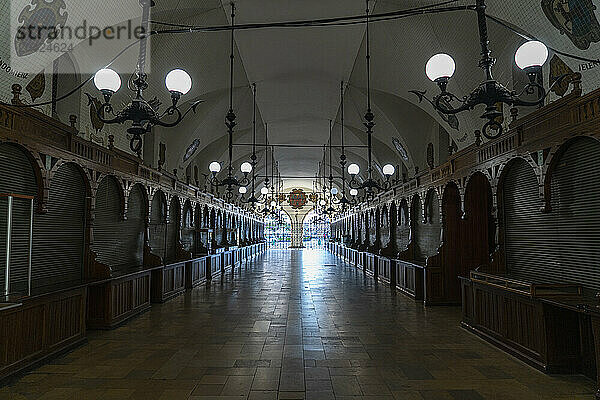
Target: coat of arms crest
(575, 18)
(40, 23)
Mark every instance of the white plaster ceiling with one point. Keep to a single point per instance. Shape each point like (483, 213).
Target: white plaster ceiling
(298, 73)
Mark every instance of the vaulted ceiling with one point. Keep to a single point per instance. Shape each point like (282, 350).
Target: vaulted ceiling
(298, 73)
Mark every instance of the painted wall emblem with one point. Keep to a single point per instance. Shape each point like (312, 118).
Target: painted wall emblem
(191, 150)
(95, 105)
(44, 17)
(558, 68)
(37, 86)
(297, 199)
(430, 158)
(575, 18)
(400, 148)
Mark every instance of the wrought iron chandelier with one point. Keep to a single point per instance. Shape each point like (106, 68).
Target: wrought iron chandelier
(344, 201)
(370, 186)
(530, 57)
(142, 114)
(252, 200)
(215, 167)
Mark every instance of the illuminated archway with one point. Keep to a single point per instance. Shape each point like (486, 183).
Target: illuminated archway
(278, 230)
(317, 230)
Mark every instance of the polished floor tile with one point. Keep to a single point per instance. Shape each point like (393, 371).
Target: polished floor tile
(292, 325)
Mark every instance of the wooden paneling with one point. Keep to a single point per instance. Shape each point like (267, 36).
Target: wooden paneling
(113, 301)
(41, 327)
(195, 272)
(167, 282)
(384, 267)
(547, 336)
(410, 279)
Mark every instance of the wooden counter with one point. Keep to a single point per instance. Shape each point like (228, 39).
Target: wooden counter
(39, 327)
(115, 300)
(552, 327)
(167, 281)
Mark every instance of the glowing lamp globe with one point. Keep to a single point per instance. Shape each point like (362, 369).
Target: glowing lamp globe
(334, 191)
(440, 66)
(531, 54)
(214, 167)
(242, 190)
(322, 202)
(388, 170)
(353, 169)
(246, 167)
(273, 204)
(353, 192)
(107, 80)
(264, 190)
(178, 81)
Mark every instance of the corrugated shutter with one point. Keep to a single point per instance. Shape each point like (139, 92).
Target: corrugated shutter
(561, 246)
(134, 226)
(16, 176)
(428, 233)
(58, 235)
(172, 230)
(385, 227)
(115, 239)
(158, 227)
(188, 232)
(403, 229)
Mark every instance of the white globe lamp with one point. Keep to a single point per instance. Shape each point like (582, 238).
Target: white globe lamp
(178, 81)
(214, 167)
(531, 54)
(388, 170)
(246, 167)
(107, 81)
(353, 169)
(440, 67)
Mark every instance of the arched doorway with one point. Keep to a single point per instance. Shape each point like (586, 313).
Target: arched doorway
(317, 230)
(278, 230)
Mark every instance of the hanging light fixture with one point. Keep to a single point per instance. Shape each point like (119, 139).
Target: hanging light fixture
(343, 200)
(142, 114)
(370, 186)
(270, 201)
(333, 191)
(215, 167)
(252, 200)
(530, 57)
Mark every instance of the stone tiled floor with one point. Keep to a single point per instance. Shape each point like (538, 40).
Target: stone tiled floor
(292, 325)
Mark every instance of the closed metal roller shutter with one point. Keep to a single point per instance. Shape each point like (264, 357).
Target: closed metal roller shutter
(158, 227)
(134, 226)
(403, 229)
(385, 228)
(561, 246)
(58, 235)
(16, 176)
(172, 231)
(115, 240)
(188, 232)
(428, 234)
